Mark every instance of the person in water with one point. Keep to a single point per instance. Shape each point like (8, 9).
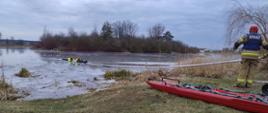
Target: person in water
(70, 59)
(77, 60)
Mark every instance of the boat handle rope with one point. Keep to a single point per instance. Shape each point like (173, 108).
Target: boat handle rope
(205, 88)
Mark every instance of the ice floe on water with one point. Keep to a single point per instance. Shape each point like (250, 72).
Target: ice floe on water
(54, 78)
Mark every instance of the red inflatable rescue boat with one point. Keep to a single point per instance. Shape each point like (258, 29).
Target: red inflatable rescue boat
(246, 102)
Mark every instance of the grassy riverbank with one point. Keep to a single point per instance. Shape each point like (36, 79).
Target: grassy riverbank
(126, 96)
(132, 95)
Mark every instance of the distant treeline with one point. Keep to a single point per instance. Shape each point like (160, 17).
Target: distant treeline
(119, 36)
(9, 42)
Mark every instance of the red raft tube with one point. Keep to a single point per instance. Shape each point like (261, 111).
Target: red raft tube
(245, 102)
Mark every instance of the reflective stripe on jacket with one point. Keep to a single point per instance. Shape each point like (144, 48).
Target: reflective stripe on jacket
(244, 80)
(250, 54)
(252, 43)
(69, 59)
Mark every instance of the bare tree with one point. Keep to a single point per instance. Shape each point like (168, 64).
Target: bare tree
(131, 28)
(156, 31)
(242, 16)
(94, 33)
(12, 38)
(117, 29)
(72, 33)
(123, 29)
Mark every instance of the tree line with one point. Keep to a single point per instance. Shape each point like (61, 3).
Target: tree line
(120, 36)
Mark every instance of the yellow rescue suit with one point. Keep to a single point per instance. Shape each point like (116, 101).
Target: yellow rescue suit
(252, 44)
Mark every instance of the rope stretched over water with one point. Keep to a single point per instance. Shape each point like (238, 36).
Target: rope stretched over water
(207, 64)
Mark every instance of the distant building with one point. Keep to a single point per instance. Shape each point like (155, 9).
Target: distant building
(203, 50)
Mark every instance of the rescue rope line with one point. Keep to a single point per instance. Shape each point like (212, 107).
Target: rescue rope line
(207, 64)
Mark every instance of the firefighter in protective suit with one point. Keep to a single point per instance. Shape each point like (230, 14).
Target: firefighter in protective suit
(252, 44)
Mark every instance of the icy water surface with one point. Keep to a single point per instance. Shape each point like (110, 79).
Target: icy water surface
(51, 76)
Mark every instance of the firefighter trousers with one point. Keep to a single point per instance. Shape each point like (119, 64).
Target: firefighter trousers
(247, 71)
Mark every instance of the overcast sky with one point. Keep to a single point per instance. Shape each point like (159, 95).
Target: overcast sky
(198, 23)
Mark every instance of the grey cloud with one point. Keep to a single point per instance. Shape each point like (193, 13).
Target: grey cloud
(196, 22)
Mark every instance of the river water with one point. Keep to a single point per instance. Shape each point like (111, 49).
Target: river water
(51, 75)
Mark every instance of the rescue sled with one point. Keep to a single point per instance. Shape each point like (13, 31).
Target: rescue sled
(245, 102)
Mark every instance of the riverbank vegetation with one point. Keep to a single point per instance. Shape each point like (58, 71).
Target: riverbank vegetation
(211, 71)
(120, 36)
(24, 73)
(118, 74)
(7, 92)
(131, 94)
(127, 95)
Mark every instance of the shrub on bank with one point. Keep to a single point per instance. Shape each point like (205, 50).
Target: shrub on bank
(24, 73)
(118, 75)
(3, 84)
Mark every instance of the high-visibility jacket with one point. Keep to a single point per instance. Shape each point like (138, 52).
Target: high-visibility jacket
(252, 43)
(69, 59)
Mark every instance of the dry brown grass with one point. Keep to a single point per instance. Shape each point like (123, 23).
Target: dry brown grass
(122, 97)
(3, 89)
(210, 71)
(7, 92)
(195, 60)
(207, 58)
(227, 70)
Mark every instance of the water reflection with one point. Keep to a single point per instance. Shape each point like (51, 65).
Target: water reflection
(51, 75)
(12, 50)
